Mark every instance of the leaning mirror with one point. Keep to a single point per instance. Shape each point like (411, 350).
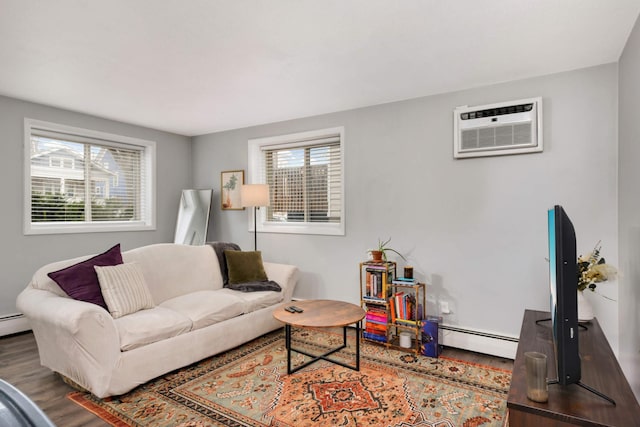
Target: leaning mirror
(193, 217)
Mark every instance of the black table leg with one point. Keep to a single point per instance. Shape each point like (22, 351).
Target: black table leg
(358, 346)
(315, 358)
(287, 341)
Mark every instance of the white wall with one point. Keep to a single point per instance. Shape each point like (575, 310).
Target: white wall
(474, 229)
(629, 206)
(21, 255)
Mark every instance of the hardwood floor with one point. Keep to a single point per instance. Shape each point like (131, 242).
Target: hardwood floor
(482, 359)
(20, 366)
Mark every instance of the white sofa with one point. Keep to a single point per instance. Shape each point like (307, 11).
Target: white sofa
(194, 317)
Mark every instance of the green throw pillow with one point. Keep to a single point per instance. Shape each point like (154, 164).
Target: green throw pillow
(245, 267)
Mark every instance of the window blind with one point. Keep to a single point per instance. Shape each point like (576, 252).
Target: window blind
(80, 179)
(305, 181)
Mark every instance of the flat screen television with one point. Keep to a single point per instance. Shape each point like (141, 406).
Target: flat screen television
(563, 287)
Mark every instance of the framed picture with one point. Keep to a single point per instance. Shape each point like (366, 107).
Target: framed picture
(230, 182)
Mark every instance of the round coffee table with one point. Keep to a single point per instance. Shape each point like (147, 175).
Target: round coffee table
(320, 314)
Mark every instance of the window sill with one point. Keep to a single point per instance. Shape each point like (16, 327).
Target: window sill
(302, 228)
(67, 228)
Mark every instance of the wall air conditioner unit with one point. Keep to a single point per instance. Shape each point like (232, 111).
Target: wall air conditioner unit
(498, 129)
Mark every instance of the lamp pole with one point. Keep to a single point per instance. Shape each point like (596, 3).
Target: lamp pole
(255, 228)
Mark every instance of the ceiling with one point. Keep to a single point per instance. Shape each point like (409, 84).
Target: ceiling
(200, 66)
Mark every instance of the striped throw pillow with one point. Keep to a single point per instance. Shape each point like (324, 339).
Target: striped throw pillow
(124, 289)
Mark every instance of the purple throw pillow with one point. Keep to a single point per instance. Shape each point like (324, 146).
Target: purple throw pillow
(80, 281)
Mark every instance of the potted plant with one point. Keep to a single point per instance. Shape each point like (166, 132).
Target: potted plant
(380, 253)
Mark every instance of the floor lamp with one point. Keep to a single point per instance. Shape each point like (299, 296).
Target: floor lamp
(256, 196)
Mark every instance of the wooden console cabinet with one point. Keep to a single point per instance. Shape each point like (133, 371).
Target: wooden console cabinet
(571, 405)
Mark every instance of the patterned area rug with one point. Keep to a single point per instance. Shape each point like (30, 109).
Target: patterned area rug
(249, 386)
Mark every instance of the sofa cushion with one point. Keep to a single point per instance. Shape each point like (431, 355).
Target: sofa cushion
(172, 270)
(253, 301)
(245, 266)
(247, 273)
(124, 289)
(148, 326)
(205, 308)
(80, 281)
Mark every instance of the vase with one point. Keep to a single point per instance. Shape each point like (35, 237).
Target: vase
(585, 310)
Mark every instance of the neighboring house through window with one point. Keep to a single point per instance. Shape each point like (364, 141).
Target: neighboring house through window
(305, 173)
(78, 180)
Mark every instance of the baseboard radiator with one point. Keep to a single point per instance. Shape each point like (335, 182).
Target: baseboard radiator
(479, 341)
(13, 323)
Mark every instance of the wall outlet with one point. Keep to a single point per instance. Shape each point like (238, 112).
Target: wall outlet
(444, 307)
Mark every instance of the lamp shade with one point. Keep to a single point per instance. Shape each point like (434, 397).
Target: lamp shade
(254, 195)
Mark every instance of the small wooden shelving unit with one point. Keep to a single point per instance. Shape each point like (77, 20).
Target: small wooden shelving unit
(414, 312)
(383, 324)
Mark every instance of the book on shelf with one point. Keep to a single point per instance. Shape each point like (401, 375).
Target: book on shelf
(369, 325)
(374, 337)
(384, 265)
(399, 305)
(405, 283)
(392, 309)
(376, 313)
(373, 300)
(381, 320)
(406, 322)
(376, 283)
(375, 323)
(380, 267)
(403, 307)
(374, 328)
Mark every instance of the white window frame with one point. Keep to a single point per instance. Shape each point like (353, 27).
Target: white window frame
(148, 192)
(256, 176)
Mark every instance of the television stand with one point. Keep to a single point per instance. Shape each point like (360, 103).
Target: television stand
(571, 405)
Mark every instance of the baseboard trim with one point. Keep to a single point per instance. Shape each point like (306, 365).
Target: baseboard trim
(479, 341)
(13, 323)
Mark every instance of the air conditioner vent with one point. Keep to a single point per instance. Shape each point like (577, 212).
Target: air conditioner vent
(498, 129)
(491, 112)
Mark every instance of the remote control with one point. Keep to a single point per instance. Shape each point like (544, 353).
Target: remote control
(297, 309)
(290, 309)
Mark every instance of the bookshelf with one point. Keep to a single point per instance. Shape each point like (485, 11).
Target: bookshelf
(392, 305)
(375, 291)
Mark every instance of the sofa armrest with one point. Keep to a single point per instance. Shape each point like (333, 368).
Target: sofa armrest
(285, 275)
(75, 338)
(44, 307)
